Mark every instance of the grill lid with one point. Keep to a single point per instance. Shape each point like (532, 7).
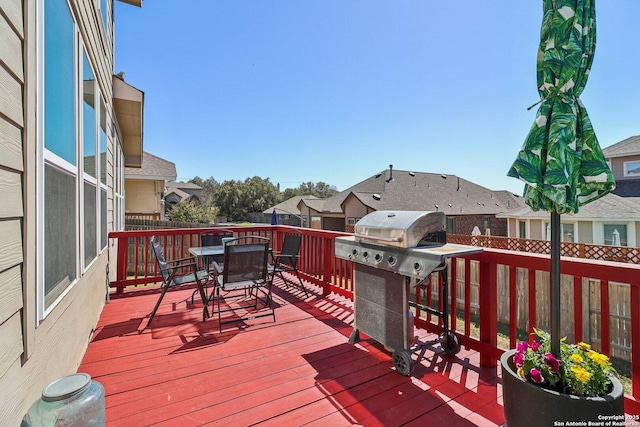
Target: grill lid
(404, 229)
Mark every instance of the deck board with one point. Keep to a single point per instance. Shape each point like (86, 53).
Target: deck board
(300, 370)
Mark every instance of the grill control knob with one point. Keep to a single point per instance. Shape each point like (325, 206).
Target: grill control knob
(418, 267)
(392, 261)
(378, 258)
(365, 255)
(354, 254)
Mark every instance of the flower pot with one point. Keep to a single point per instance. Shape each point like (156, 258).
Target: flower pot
(526, 404)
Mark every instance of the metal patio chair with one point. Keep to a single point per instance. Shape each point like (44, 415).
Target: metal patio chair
(179, 272)
(213, 238)
(287, 259)
(244, 269)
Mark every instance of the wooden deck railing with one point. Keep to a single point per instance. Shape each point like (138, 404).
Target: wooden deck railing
(570, 249)
(478, 283)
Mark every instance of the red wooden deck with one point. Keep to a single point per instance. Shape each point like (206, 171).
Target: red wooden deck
(300, 370)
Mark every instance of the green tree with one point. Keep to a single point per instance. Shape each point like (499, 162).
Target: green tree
(319, 189)
(258, 194)
(236, 199)
(209, 188)
(188, 211)
(228, 197)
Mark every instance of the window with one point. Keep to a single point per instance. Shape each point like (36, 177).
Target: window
(615, 234)
(60, 185)
(451, 226)
(632, 169)
(118, 185)
(352, 221)
(522, 229)
(567, 234)
(105, 11)
(90, 165)
(103, 174)
(72, 187)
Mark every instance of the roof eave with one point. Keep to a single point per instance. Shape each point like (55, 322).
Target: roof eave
(128, 103)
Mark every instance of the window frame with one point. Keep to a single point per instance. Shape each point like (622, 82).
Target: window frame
(48, 300)
(635, 164)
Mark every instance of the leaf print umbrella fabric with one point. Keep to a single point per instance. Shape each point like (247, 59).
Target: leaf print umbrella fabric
(561, 161)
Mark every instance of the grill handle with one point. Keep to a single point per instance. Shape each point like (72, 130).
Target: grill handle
(384, 239)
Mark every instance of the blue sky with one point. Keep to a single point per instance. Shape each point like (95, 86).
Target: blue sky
(335, 91)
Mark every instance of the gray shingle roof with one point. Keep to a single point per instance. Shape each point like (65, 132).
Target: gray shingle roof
(627, 188)
(289, 206)
(607, 207)
(405, 190)
(153, 167)
(182, 186)
(626, 147)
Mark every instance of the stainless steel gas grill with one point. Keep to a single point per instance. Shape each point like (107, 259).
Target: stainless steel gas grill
(393, 252)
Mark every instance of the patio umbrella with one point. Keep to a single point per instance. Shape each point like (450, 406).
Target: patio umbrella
(274, 218)
(561, 162)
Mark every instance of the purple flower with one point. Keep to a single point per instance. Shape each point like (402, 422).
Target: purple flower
(522, 347)
(518, 359)
(536, 376)
(551, 362)
(535, 345)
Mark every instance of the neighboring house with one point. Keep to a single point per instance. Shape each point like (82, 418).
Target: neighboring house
(175, 192)
(610, 220)
(68, 127)
(616, 214)
(145, 187)
(624, 161)
(465, 204)
(287, 211)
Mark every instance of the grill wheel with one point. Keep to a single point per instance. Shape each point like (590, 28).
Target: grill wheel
(402, 361)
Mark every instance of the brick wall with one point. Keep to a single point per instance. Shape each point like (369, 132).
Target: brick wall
(465, 224)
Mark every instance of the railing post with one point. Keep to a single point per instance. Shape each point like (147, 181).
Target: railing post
(635, 339)
(121, 261)
(328, 258)
(488, 311)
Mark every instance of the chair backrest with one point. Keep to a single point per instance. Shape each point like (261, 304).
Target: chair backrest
(162, 262)
(246, 261)
(209, 238)
(213, 238)
(290, 248)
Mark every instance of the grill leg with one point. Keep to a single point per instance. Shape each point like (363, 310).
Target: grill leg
(354, 337)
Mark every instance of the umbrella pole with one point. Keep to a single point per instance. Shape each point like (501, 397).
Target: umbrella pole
(554, 299)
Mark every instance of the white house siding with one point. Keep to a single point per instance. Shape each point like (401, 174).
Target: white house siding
(35, 353)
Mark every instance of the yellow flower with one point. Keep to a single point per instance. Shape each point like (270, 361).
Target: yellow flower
(584, 346)
(600, 359)
(521, 372)
(581, 374)
(576, 358)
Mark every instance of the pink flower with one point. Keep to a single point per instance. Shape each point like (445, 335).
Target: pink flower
(551, 362)
(518, 359)
(535, 345)
(522, 347)
(536, 376)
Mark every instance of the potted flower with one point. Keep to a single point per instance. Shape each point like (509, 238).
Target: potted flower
(579, 385)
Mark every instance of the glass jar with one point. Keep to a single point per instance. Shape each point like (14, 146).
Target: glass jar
(70, 401)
